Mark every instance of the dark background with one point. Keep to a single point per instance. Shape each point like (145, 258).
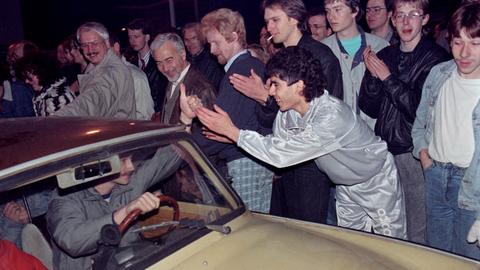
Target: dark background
(47, 22)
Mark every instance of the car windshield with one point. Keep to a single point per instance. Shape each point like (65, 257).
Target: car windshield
(194, 199)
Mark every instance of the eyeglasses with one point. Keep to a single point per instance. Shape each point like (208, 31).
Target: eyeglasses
(91, 44)
(374, 10)
(414, 15)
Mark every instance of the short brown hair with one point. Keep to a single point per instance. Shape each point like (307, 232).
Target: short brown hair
(466, 17)
(226, 21)
(423, 4)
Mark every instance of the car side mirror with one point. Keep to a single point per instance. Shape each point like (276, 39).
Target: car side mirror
(88, 172)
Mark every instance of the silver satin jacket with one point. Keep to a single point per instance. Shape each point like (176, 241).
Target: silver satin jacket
(343, 146)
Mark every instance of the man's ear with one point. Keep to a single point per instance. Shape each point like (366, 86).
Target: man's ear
(425, 19)
(234, 37)
(183, 54)
(293, 21)
(299, 86)
(147, 37)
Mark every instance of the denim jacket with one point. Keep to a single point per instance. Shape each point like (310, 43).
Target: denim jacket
(469, 194)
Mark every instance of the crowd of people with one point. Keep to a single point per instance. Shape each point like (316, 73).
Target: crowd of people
(320, 121)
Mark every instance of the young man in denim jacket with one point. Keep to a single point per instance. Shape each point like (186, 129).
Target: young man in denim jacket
(446, 139)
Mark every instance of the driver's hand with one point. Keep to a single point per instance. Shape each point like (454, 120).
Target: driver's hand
(15, 212)
(146, 203)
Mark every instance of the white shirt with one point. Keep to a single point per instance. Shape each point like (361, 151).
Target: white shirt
(145, 59)
(180, 79)
(452, 138)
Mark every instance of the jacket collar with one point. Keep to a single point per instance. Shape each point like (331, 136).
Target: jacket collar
(91, 67)
(295, 122)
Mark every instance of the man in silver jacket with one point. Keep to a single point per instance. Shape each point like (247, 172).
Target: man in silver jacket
(312, 124)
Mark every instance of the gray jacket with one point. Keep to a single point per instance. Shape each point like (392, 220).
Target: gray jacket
(342, 144)
(106, 90)
(75, 220)
(353, 68)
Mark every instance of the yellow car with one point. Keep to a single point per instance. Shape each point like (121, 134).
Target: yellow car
(201, 223)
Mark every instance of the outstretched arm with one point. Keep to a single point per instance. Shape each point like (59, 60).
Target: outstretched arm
(218, 121)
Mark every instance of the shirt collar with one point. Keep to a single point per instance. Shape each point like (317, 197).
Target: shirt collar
(233, 58)
(180, 79)
(358, 58)
(145, 58)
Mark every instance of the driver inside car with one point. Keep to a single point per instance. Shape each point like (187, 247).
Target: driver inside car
(76, 219)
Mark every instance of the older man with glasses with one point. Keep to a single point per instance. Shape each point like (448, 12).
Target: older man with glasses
(106, 88)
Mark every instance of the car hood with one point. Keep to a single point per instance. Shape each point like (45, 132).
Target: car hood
(267, 242)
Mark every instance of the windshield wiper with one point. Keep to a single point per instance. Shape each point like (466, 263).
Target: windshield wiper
(185, 223)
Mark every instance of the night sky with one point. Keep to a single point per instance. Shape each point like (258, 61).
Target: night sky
(48, 22)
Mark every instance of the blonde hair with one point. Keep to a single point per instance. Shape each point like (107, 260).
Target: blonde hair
(226, 22)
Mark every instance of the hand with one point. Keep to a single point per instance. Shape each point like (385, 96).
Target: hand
(367, 61)
(375, 65)
(474, 233)
(251, 86)
(218, 121)
(188, 104)
(215, 137)
(425, 159)
(145, 203)
(15, 212)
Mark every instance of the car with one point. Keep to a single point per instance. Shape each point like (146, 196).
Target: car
(201, 223)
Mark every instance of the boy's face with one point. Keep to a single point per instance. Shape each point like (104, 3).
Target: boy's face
(409, 19)
(126, 170)
(137, 39)
(278, 24)
(340, 16)
(466, 52)
(287, 96)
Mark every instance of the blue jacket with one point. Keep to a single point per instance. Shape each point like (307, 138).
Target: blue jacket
(242, 109)
(21, 104)
(469, 194)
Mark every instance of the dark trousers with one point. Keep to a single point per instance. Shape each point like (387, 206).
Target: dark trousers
(302, 192)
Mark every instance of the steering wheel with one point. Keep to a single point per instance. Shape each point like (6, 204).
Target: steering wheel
(164, 200)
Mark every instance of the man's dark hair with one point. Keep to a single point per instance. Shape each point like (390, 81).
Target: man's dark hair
(293, 8)
(389, 5)
(41, 65)
(293, 64)
(141, 24)
(467, 17)
(317, 11)
(112, 39)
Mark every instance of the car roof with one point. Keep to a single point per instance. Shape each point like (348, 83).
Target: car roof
(26, 139)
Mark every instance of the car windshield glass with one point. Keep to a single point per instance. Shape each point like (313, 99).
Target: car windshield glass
(192, 199)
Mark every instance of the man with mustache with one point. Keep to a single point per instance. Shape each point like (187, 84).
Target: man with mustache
(106, 88)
